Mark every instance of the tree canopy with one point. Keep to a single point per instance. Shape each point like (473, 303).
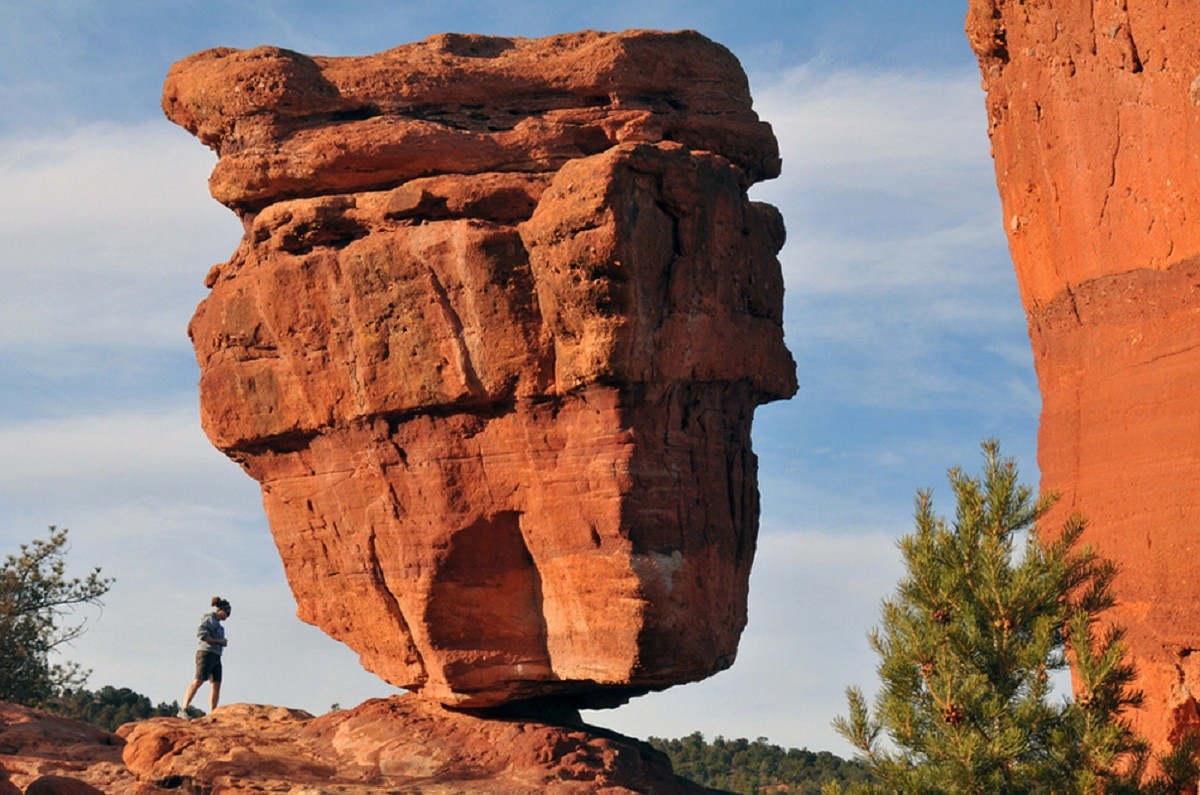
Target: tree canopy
(969, 641)
(36, 598)
(110, 707)
(750, 767)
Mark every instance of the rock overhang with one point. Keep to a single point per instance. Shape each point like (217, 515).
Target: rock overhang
(491, 345)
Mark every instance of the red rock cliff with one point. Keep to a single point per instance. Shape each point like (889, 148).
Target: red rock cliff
(492, 343)
(1094, 116)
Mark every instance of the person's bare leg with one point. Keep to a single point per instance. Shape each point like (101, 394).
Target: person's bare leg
(191, 693)
(215, 696)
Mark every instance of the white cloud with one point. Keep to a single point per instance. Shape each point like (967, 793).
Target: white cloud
(107, 233)
(955, 256)
(887, 182)
(86, 447)
(904, 134)
(141, 483)
(901, 294)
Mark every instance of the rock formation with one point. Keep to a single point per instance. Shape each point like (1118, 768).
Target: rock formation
(1094, 116)
(402, 744)
(491, 345)
(45, 753)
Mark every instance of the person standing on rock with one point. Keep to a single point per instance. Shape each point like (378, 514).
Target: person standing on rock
(208, 657)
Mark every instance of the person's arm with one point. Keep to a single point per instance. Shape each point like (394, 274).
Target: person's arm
(203, 634)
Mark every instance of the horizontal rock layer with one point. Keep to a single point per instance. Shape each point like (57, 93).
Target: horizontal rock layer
(286, 124)
(492, 344)
(1094, 113)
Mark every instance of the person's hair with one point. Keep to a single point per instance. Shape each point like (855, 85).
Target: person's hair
(220, 604)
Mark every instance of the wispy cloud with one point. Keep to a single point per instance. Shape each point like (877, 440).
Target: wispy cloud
(107, 233)
(899, 133)
(900, 291)
(137, 445)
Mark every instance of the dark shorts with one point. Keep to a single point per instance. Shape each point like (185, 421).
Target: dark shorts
(208, 666)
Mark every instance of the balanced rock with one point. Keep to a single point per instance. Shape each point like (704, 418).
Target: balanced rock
(1094, 116)
(492, 343)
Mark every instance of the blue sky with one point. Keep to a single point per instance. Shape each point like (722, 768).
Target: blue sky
(901, 311)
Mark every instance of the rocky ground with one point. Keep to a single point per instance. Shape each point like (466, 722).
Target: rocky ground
(401, 744)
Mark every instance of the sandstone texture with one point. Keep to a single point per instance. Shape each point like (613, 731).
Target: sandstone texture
(398, 745)
(48, 754)
(402, 744)
(492, 344)
(1094, 116)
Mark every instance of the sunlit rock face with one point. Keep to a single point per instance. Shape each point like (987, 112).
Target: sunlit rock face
(492, 343)
(1094, 115)
(402, 744)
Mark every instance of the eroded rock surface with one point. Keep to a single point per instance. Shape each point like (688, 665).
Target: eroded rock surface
(1094, 115)
(46, 753)
(402, 744)
(492, 343)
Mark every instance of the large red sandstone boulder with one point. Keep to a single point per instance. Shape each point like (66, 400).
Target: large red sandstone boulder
(492, 344)
(1094, 115)
(402, 744)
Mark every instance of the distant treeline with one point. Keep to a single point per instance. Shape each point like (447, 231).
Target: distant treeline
(108, 707)
(752, 768)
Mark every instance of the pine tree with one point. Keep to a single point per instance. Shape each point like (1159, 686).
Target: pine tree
(35, 597)
(968, 644)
